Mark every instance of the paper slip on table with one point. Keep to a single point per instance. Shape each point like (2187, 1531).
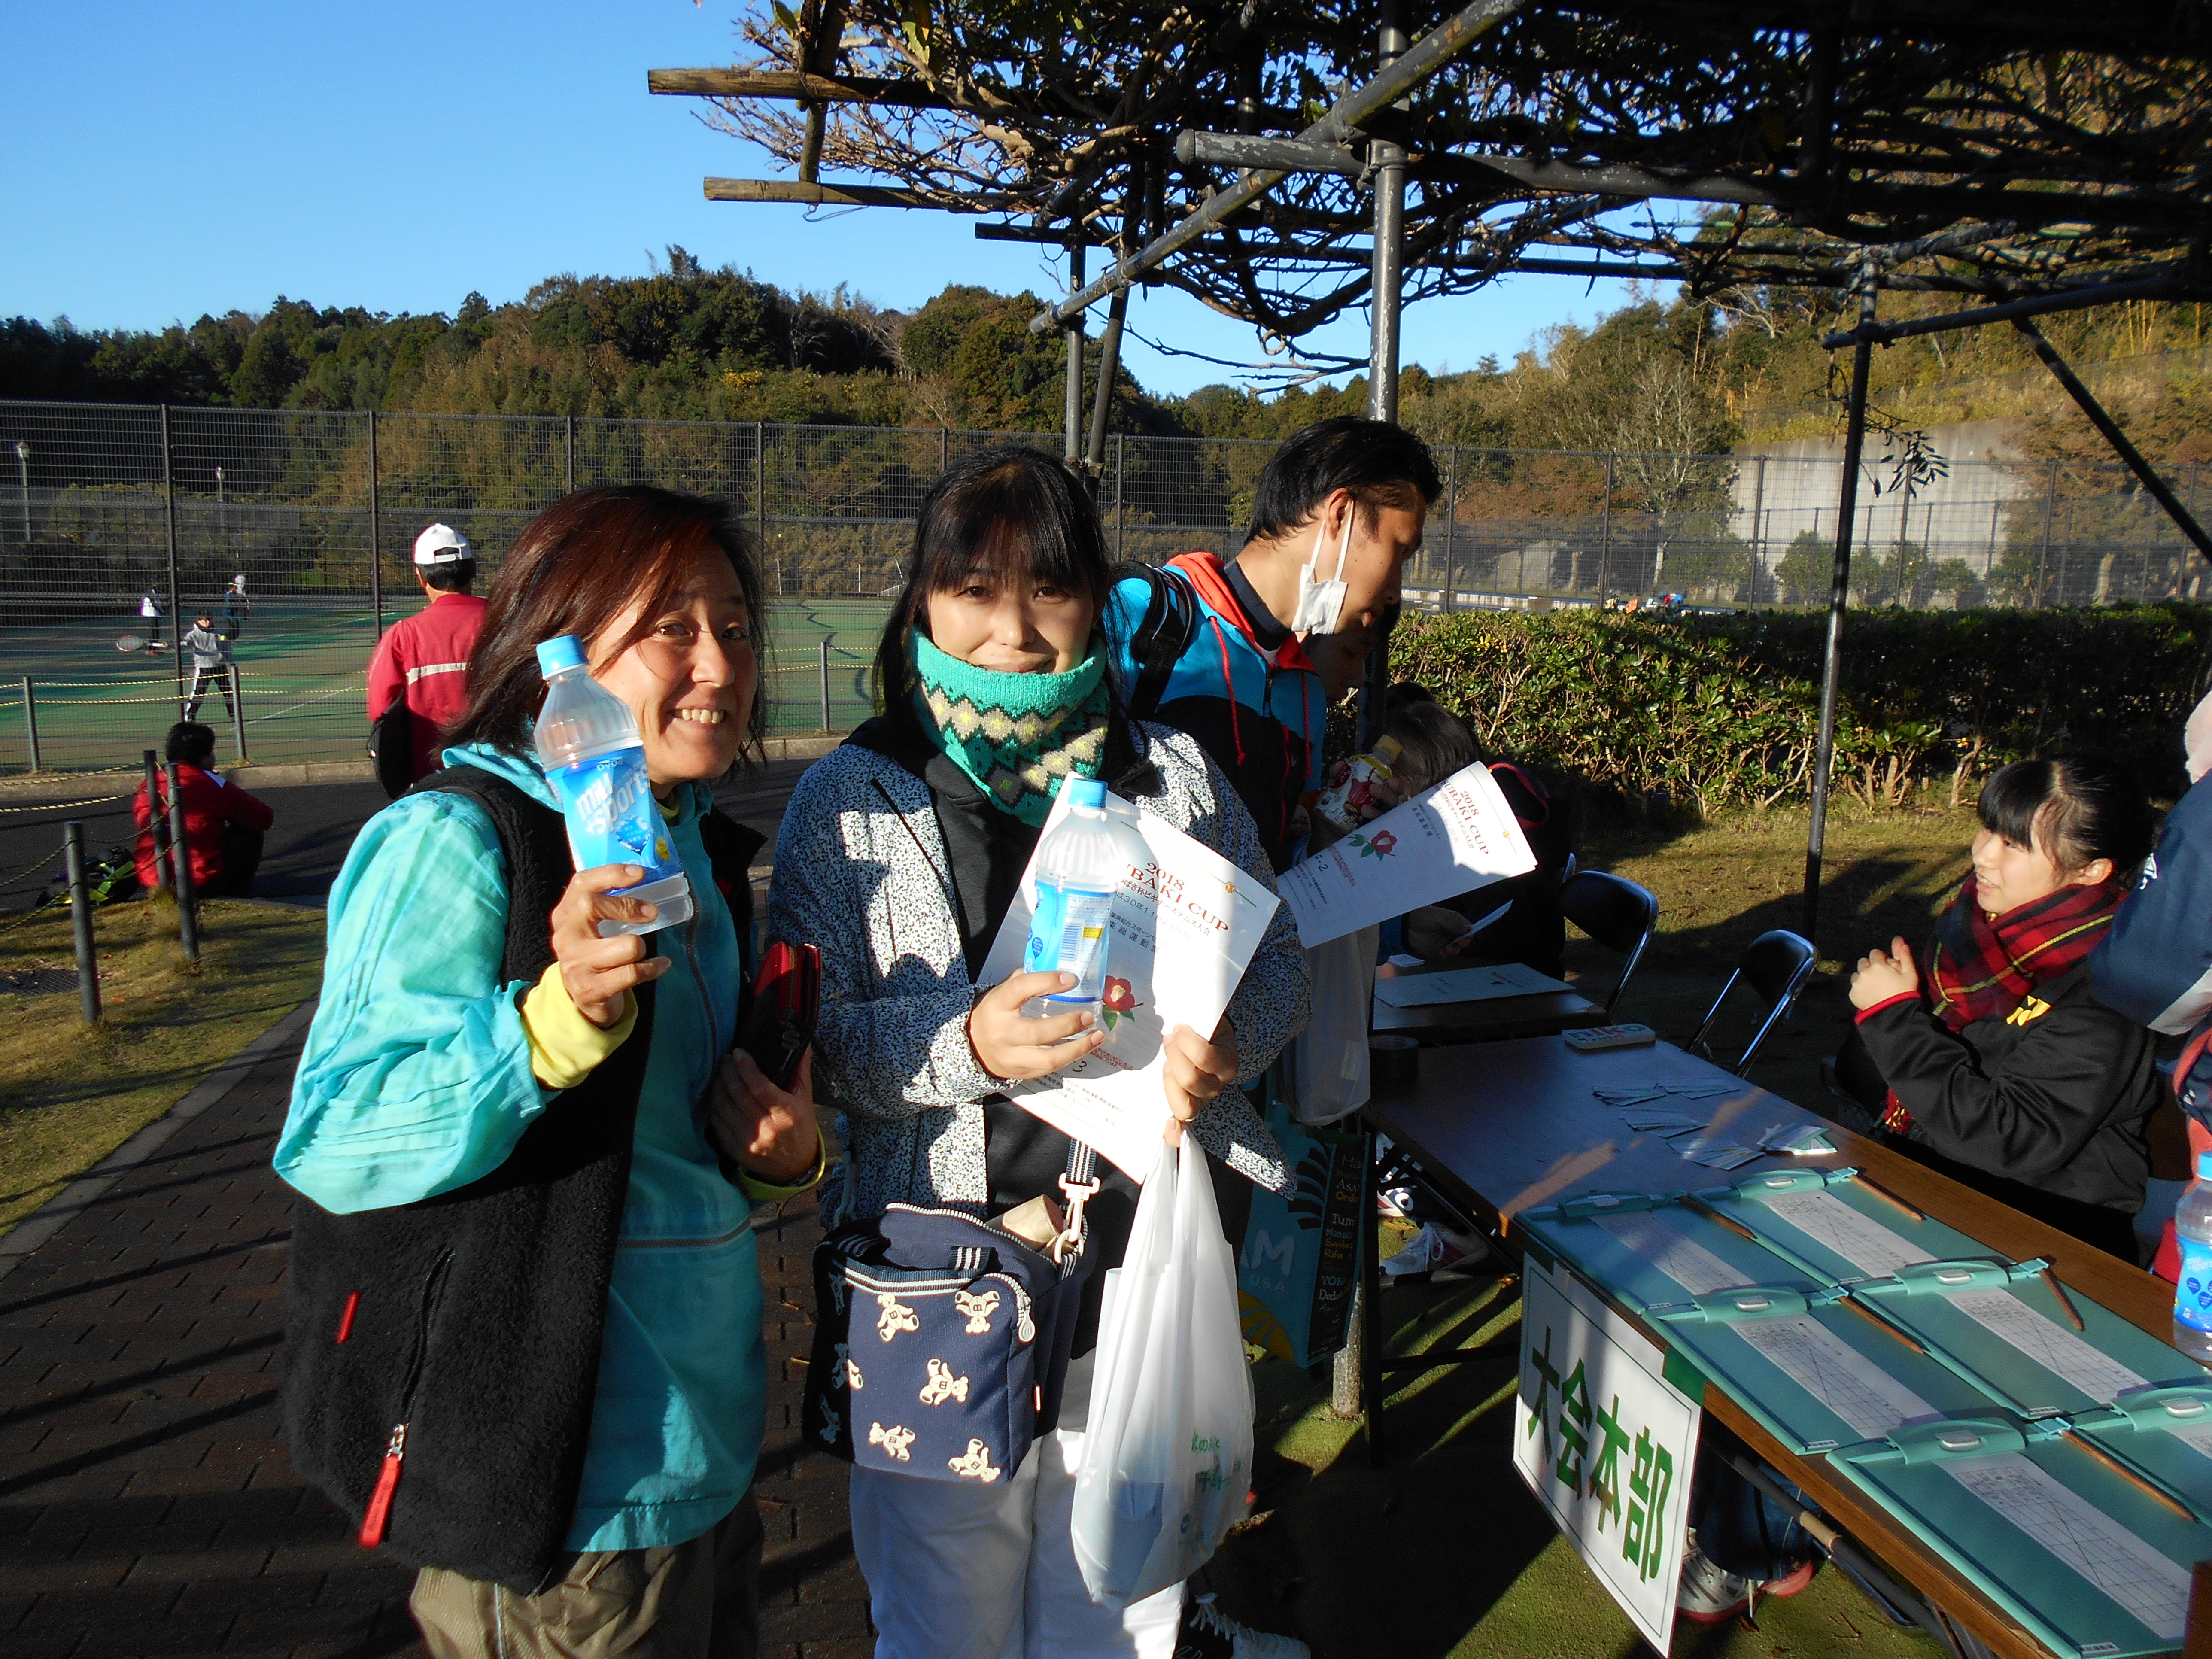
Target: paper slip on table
(1507, 1127)
(1486, 1019)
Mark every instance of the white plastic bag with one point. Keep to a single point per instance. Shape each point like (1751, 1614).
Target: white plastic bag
(1167, 1453)
(1325, 1074)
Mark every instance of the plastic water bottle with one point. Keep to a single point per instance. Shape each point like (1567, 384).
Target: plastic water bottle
(2192, 1298)
(594, 757)
(1079, 866)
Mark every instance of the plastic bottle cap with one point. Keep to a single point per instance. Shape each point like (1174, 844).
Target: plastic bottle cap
(1387, 750)
(1087, 793)
(2204, 1166)
(565, 651)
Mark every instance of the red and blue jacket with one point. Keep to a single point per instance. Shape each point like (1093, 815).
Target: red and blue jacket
(2155, 965)
(1241, 686)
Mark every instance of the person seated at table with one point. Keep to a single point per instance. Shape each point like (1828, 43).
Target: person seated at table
(223, 825)
(1989, 1059)
(1517, 920)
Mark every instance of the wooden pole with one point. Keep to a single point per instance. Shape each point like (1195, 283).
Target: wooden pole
(88, 967)
(181, 862)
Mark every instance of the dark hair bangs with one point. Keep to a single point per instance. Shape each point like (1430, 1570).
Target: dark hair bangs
(2013, 798)
(1007, 525)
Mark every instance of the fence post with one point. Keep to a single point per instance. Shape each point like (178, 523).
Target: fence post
(238, 710)
(2043, 554)
(1758, 540)
(1451, 524)
(157, 822)
(944, 447)
(760, 482)
(375, 533)
(1604, 536)
(1121, 485)
(176, 600)
(180, 870)
(31, 721)
(825, 682)
(568, 457)
(88, 968)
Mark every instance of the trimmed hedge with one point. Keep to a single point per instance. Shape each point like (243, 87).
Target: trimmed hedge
(1722, 711)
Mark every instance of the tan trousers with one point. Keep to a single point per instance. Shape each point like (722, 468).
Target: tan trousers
(695, 1601)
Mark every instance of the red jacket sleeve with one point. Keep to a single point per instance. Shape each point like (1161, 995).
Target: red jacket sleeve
(236, 806)
(387, 680)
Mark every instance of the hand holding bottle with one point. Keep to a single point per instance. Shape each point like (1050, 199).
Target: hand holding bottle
(600, 971)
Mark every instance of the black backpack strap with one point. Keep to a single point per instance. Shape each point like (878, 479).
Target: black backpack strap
(1171, 623)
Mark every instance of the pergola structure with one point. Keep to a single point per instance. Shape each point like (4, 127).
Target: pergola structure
(1282, 165)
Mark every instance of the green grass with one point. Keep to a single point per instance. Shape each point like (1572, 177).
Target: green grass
(69, 1096)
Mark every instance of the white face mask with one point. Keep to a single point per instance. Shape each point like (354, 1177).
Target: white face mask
(1321, 604)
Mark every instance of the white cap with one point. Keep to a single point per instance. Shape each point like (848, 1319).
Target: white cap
(442, 544)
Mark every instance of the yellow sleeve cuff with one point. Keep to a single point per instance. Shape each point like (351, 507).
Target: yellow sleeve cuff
(761, 1191)
(565, 1048)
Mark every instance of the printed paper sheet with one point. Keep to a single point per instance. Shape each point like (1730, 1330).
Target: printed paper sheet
(1183, 931)
(1835, 1373)
(1864, 1242)
(1671, 1251)
(2147, 1584)
(1505, 979)
(2057, 1350)
(1444, 841)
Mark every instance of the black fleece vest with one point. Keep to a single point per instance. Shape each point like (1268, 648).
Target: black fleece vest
(474, 1318)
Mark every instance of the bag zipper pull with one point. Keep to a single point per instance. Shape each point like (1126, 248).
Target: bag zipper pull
(378, 1512)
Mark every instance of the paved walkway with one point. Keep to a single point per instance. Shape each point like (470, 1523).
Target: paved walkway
(146, 1506)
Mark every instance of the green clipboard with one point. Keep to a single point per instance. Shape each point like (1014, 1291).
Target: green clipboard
(2043, 1367)
(1815, 1372)
(1829, 1222)
(2164, 1435)
(1652, 1252)
(2077, 1554)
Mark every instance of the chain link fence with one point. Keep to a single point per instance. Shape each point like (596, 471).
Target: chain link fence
(104, 508)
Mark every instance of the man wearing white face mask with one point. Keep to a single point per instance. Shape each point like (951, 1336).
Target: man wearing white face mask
(1214, 648)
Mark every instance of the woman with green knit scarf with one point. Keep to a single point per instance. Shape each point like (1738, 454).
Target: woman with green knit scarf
(899, 854)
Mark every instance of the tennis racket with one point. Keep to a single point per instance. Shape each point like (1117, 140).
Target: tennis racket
(138, 642)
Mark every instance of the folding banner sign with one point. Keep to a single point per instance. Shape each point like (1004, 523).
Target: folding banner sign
(1606, 1443)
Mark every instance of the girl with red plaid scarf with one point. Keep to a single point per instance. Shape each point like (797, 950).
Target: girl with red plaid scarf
(1990, 1061)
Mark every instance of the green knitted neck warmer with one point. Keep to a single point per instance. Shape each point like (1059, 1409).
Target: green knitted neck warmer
(1017, 735)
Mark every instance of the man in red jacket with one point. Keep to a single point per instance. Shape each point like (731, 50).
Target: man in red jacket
(418, 678)
(223, 824)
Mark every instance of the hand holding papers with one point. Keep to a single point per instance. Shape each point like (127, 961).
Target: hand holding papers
(1184, 930)
(1446, 841)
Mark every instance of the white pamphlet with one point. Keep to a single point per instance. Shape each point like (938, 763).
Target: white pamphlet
(1183, 931)
(2149, 1585)
(1505, 979)
(1446, 841)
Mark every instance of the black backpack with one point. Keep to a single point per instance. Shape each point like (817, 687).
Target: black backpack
(1170, 624)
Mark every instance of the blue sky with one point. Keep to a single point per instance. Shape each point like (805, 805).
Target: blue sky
(170, 161)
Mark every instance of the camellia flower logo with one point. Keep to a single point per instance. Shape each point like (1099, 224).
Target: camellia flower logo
(1377, 847)
(1118, 1002)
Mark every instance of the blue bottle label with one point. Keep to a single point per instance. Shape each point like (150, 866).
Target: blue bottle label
(1067, 934)
(2192, 1298)
(608, 804)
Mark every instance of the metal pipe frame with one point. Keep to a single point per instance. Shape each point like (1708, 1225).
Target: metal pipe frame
(1074, 389)
(2184, 520)
(1435, 49)
(1832, 661)
(2162, 286)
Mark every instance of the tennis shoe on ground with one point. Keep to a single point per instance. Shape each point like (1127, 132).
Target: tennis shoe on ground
(1209, 1633)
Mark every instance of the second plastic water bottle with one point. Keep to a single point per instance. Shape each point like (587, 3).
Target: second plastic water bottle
(594, 757)
(1079, 866)
(2192, 1297)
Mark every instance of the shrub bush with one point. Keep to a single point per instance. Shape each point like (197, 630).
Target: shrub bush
(1722, 711)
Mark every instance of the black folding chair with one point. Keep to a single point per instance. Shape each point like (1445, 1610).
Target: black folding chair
(1776, 967)
(1616, 913)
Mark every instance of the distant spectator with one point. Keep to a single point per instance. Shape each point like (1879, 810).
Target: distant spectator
(236, 607)
(223, 824)
(150, 613)
(1991, 1061)
(211, 665)
(418, 677)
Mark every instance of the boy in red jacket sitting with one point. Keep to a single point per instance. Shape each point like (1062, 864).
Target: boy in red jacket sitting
(223, 824)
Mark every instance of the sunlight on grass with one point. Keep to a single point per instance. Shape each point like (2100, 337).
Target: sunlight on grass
(70, 1096)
